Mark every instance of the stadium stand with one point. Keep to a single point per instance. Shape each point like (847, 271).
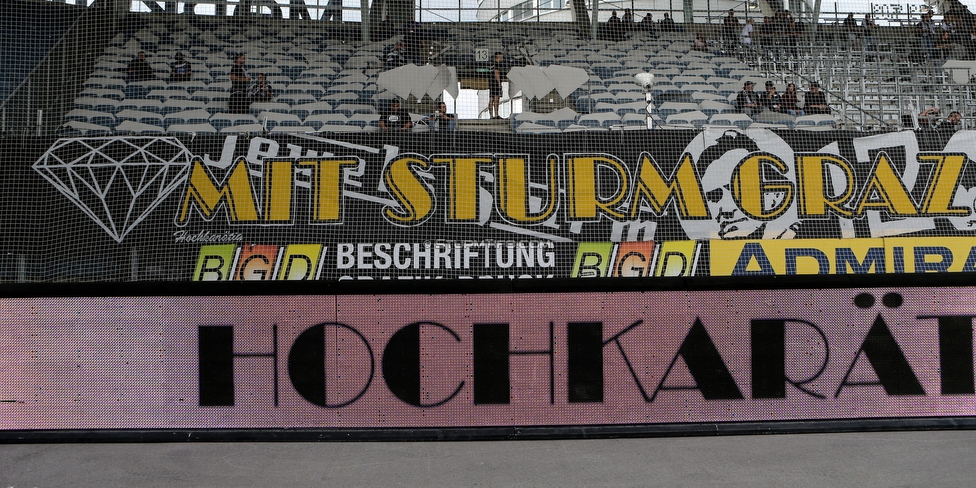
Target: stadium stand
(870, 86)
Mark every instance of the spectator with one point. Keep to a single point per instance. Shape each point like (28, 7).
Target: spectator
(495, 85)
(929, 118)
(700, 43)
(180, 69)
(667, 24)
(747, 102)
(926, 36)
(298, 10)
(815, 103)
(440, 120)
(395, 119)
(850, 26)
(770, 100)
(746, 37)
(790, 101)
(414, 44)
(870, 29)
(730, 27)
(628, 19)
(951, 123)
(394, 58)
(647, 23)
(261, 92)
(139, 69)
(238, 103)
(615, 29)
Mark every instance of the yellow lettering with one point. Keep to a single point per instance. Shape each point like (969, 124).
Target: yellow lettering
(811, 174)
(683, 187)
(278, 185)
(463, 193)
(513, 190)
(884, 190)
(236, 192)
(584, 196)
(327, 188)
(750, 187)
(943, 184)
(416, 200)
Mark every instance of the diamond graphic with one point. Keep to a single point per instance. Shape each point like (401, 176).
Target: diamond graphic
(116, 181)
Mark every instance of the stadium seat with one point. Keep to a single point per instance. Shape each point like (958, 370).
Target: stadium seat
(174, 105)
(712, 107)
(243, 129)
(140, 116)
(822, 120)
(603, 120)
(314, 108)
(138, 128)
(76, 127)
(282, 108)
(296, 98)
(741, 121)
(223, 120)
(667, 109)
(270, 120)
(319, 120)
(364, 120)
(694, 119)
(193, 116)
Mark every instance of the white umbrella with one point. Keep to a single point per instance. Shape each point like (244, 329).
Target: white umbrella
(535, 81)
(419, 81)
(566, 79)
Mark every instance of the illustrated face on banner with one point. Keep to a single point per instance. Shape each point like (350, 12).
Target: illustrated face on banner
(964, 142)
(718, 154)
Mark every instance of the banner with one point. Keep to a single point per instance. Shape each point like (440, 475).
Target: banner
(486, 360)
(469, 206)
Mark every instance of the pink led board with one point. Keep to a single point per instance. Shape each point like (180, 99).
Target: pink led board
(485, 360)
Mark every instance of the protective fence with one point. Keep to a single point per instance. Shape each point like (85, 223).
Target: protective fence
(608, 214)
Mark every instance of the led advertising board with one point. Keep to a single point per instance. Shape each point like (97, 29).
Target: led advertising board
(485, 360)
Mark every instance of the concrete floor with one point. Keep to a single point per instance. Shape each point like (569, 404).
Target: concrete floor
(942, 458)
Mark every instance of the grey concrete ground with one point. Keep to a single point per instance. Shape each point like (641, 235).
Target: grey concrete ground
(858, 459)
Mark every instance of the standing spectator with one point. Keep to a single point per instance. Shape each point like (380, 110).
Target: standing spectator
(815, 103)
(925, 30)
(261, 92)
(790, 101)
(951, 123)
(850, 27)
(628, 19)
(395, 119)
(771, 100)
(870, 30)
(746, 36)
(495, 85)
(747, 102)
(180, 70)
(730, 27)
(238, 103)
(139, 69)
(414, 44)
(615, 30)
(929, 118)
(667, 24)
(647, 23)
(299, 10)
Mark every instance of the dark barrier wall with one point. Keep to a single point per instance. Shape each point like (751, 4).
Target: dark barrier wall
(715, 203)
(395, 363)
